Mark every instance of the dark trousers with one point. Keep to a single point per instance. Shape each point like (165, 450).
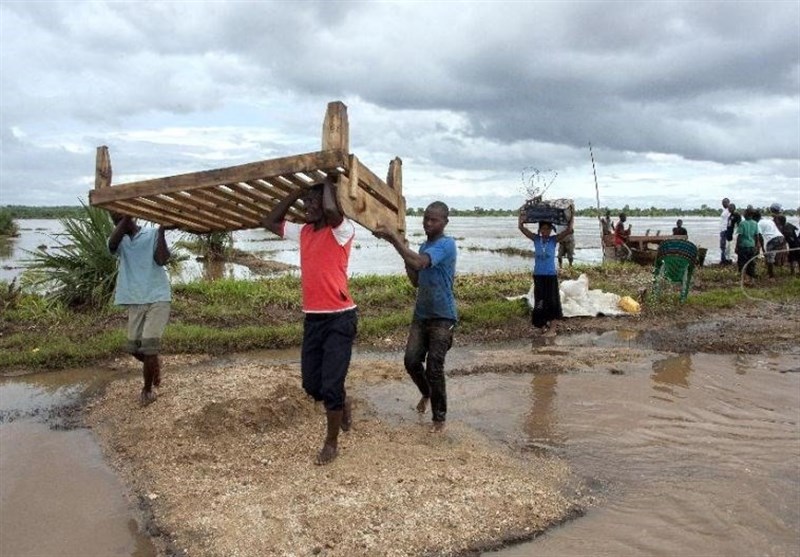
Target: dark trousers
(723, 246)
(327, 348)
(743, 256)
(428, 343)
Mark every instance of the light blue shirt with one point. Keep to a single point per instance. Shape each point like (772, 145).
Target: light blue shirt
(435, 298)
(544, 260)
(140, 279)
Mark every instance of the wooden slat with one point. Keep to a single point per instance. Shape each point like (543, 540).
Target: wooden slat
(245, 216)
(192, 211)
(240, 173)
(135, 209)
(271, 197)
(208, 207)
(336, 128)
(168, 213)
(243, 202)
(368, 180)
(102, 171)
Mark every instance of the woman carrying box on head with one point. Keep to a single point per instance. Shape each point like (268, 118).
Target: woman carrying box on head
(547, 298)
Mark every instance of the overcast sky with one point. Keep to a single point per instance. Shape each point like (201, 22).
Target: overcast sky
(683, 102)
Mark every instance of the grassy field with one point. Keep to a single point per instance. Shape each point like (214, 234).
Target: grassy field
(236, 315)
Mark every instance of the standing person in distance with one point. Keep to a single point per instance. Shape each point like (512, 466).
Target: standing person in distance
(432, 272)
(724, 246)
(547, 298)
(331, 320)
(143, 288)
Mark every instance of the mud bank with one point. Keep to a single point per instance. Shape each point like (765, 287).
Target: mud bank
(224, 463)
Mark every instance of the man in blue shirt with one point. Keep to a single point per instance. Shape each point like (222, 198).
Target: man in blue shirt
(432, 272)
(143, 288)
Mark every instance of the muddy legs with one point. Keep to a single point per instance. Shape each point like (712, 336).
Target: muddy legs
(151, 370)
(330, 447)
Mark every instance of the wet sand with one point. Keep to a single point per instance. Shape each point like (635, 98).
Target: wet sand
(225, 460)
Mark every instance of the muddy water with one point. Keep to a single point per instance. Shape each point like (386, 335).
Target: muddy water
(686, 455)
(57, 495)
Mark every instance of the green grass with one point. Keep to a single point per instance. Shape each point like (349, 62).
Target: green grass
(236, 315)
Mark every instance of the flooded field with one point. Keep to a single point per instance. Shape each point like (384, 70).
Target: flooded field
(478, 240)
(688, 455)
(692, 454)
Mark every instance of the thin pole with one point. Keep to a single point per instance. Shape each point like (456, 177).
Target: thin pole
(597, 196)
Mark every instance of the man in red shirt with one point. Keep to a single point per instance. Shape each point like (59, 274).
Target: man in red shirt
(330, 323)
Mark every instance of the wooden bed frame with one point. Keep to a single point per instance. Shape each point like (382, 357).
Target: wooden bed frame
(237, 197)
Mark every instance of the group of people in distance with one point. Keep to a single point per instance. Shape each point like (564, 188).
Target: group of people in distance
(751, 234)
(330, 313)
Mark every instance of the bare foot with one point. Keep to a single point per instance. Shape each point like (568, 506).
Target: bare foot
(422, 405)
(438, 427)
(327, 454)
(147, 397)
(551, 332)
(347, 415)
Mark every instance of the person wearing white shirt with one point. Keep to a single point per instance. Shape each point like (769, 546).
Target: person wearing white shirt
(771, 242)
(724, 245)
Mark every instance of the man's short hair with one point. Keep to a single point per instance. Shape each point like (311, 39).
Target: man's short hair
(441, 207)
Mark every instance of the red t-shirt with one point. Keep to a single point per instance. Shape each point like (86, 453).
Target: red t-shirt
(324, 255)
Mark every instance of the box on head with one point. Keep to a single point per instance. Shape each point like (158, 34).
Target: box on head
(556, 211)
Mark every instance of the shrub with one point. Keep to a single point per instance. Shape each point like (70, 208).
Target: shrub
(80, 271)
(7, 225)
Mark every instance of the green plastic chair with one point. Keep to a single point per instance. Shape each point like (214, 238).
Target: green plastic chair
(675, 262)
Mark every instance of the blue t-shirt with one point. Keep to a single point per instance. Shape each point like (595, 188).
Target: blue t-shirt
(544, 259)
(140, 279)
(435, 298)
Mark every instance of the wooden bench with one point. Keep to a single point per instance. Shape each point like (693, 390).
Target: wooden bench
(237, 197)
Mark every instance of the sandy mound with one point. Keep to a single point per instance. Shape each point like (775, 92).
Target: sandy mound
(225, 460)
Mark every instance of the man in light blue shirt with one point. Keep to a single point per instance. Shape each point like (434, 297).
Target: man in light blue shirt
(143, 288)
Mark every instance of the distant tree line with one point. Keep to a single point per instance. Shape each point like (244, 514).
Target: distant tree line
(54, 212)
(66, 211)
(702, 211)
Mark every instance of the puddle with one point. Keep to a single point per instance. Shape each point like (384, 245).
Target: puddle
(690, 455)
(57, 495)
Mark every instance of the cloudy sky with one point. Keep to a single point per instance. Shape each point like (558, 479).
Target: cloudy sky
(683, 102)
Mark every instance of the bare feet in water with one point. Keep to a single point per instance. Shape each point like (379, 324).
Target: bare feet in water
(422, 405)
(438, 427)
(327, 454)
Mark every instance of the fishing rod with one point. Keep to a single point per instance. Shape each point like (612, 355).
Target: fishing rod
(597, 195)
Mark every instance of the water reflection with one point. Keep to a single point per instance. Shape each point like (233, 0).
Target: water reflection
(540, 424)
(671, 372)
(6, 247)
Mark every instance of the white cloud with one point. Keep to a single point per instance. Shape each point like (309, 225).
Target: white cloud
(683, 102)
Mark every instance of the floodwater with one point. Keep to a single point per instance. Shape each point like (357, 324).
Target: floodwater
(684, 454)
(57, 494)
(477, 238)
(688, 455)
